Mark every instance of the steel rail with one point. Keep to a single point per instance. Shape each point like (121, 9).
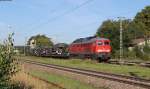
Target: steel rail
(131, 63)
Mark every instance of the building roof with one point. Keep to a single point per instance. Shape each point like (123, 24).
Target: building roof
(136, 41)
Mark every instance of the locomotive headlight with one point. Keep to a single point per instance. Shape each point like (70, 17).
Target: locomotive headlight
(108, 50)
(100, 50)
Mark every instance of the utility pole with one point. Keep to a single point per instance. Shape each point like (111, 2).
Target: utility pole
(121, 38)
(25, 44)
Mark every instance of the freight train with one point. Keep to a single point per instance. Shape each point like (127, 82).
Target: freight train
(90, 47)
(59, 50)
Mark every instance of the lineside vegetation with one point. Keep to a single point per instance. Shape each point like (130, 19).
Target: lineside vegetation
(8, 64)
(135, 71)
(63, 81)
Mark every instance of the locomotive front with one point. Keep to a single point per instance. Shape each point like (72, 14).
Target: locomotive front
(103, 49)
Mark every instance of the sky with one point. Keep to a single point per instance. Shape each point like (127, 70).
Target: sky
(61, 20)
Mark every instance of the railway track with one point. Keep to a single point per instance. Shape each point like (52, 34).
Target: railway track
(115, 77)
(131, 63)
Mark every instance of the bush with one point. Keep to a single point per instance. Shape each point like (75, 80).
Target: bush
(116, 54)
(146, 49)
(129, 54)
(8, 65)
(137, 52)
(142, 54)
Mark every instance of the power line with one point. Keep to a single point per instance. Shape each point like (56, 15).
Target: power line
(64, 14)
(32, 24)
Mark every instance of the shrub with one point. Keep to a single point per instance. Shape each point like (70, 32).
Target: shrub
(144, 55)
(129, 54)
(146, 49)
(8, 65)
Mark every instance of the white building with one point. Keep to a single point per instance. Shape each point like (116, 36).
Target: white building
(141, 42)
(32, 44)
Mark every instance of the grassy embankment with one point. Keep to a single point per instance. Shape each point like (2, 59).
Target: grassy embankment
(86, 64)
(40, 79)
(63, 81)
(24, 81)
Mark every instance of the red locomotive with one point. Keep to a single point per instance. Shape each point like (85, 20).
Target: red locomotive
(93, 47)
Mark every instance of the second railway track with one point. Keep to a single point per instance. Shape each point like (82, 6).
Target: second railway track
(130, 63)
(115, 77)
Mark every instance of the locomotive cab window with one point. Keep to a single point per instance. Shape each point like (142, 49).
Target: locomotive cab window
(99, 43)
(106, 43)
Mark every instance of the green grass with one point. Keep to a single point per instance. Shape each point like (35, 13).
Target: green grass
(86, 64)
(62, 81)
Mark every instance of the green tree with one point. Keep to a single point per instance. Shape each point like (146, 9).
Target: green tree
(144, 18)
(135, 30)
(41, 41)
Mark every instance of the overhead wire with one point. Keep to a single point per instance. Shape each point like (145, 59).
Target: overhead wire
(63, 14)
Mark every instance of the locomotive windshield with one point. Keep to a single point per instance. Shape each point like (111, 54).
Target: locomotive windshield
(100, 43)
(103, 43)
(106, 43)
